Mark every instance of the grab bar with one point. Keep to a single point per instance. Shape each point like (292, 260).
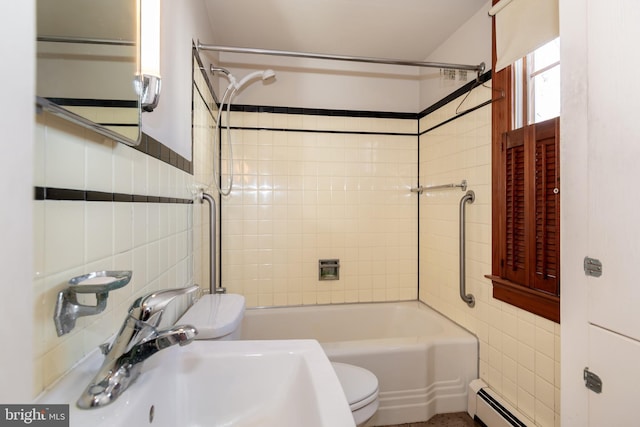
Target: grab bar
(420, 189)
(469, 197)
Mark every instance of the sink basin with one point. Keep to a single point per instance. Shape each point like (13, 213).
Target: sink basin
(219, 383)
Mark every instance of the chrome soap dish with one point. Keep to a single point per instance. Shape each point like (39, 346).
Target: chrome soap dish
(100, 283)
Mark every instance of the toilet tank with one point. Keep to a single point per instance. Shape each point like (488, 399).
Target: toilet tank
(216, 316)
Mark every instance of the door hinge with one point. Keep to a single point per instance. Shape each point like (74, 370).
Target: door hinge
(592, 267)
(592, 381)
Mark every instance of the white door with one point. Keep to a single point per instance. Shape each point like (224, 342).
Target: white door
(601, 210)
(614, 164)
(615, 360)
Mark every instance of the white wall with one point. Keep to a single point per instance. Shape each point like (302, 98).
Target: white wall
(17, 48)
(170, 122)
(470, 44)
(316, 83)
(312, 83)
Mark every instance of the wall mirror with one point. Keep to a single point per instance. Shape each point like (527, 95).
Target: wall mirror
(88, 64)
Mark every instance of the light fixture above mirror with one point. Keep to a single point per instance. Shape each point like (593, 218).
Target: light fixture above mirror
(150, 54)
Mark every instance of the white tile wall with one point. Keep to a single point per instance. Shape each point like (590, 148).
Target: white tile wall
(76, 237)
(519, 352)
(304, 196)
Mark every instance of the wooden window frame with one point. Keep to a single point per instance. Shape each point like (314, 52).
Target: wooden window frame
(523, 292)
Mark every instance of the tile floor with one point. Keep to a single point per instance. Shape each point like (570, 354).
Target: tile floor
(457, 419)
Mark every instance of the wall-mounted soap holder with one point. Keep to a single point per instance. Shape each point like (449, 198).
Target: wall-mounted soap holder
(329, 269)
(100, 283)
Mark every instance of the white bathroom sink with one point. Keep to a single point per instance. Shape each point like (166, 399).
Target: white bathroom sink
(219, 383)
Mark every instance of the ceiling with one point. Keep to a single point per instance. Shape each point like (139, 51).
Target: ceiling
(398, 29)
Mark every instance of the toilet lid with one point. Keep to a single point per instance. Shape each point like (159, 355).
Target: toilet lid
(359, 385)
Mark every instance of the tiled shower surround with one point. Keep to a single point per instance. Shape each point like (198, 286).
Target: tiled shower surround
(311, 187)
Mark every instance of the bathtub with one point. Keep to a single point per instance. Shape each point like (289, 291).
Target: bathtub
(423, 361)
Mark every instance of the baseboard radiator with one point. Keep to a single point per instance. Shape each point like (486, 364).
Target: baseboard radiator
(490, 410)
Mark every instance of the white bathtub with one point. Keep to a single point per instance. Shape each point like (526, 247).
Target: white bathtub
(423, 361)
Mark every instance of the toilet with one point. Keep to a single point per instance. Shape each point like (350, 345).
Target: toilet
(361, 389)
(216, 317)
(219, 317)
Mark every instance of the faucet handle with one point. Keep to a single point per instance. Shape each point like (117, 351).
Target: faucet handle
(156, 302)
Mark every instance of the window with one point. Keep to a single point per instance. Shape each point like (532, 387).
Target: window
(526, 199)
(536, 85)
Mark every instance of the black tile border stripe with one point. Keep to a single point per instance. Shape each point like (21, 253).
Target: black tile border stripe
(463, 113)
(156, 149)
(98, 196)
(322, 112)
(347, 132)
(63, 194)
(363, 114)
(117, 197)
(454, 95)
(38, 193)
(66, 194)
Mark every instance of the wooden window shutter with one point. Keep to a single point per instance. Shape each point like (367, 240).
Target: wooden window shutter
(526, 268)
(514, 261)
(531, 207)
(547, 208)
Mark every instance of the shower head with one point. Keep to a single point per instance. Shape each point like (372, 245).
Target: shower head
(264, 75)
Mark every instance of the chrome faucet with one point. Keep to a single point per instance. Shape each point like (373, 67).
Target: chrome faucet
(137, 340)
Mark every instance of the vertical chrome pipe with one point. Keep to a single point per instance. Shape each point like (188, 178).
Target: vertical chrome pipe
(212, 243)
(468, 298)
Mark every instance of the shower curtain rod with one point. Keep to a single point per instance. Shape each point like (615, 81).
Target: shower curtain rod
(477, 68)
